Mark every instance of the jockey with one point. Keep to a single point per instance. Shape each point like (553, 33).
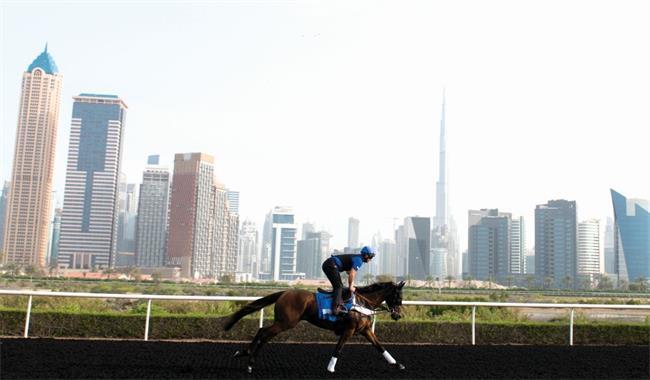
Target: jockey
(349, 263)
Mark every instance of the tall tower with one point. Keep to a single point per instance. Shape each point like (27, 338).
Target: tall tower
(29, 207)
(440, 221)
(189, 214)
(353, 233)
(90, 201)
(153, 209)
(556, 240)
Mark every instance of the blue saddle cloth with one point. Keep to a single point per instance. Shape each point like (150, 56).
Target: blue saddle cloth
(324, 302)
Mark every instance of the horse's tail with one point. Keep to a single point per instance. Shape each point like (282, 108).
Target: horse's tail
(251, 308)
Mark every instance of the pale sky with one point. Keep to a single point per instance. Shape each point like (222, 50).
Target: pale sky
(334, 107)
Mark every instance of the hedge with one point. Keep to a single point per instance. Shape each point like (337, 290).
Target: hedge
(130, 326)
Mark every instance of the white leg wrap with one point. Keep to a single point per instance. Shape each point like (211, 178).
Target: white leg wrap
(389, 358)
(330, 367)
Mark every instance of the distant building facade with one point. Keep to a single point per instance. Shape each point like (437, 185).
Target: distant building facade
(152, 221)
(631, 237)
(489, 244)
(417, 236)
(248, 249)
(313, 249)
(4, 200)
(90, 203)
(281, 240)
(353, 232)
(203, 233)
(556, 243)
(588, 251)
(28, 212)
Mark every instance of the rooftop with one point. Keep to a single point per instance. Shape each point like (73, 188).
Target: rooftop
(45, 62)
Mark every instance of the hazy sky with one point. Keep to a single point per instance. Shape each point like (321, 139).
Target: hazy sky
(334, 107)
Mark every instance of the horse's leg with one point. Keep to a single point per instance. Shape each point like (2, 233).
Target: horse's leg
(345, 335)
(372, 338)
(247, 351)
(263, 336)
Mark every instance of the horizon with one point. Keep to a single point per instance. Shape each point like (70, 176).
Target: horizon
(311, 88)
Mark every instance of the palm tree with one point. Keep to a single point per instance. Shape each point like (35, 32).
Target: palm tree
(567, 281)
(509, 279)
(529, 281)
(468, 281)
(449, 279)
(429, 281)
(642, 285)
(548, 281)
(605, 283)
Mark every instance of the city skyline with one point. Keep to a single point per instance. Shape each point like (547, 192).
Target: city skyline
(557, 116)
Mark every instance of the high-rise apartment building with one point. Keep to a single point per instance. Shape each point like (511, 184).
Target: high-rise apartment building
(27, 220)
(588, 251)
(608, 247)
(90, 202)
(202, 237)
(489, 244)
(233, 201)
(312, 251)
(153, 211)
(4, 200)
(248, 247)
(631, 237)
(517, 246)
(556, 243)
(417, 236)
(388, 257)
(189, 214)
(281, 232)
(353, 233)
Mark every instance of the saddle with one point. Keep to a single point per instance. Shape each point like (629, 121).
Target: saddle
(346, 294)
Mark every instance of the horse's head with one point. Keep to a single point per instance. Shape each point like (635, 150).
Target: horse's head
(394, 301)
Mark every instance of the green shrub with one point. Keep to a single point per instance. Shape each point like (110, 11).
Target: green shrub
(201, 326)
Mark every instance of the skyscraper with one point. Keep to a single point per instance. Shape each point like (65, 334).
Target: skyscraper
(29, 207)
(556, 243)
(588, 251)
(444, 237)
(388, 257)
(188, 244)
(282, 234)
(153, 210)
(90, 201)
(608, 247)
(489, 244)
(631, 237)
(233, 201)
(202, 231)
(4, 199)
(248, 248)
(353, 233)
(312, 251)
(417, 232)
(517, 246)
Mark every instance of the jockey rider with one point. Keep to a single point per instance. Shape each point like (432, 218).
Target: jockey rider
(349, 263)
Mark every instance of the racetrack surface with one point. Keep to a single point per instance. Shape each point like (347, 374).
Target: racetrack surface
(52, 358)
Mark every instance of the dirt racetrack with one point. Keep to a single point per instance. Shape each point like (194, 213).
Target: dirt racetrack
(52, 358)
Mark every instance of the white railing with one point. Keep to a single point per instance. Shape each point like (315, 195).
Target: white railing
(150, 297)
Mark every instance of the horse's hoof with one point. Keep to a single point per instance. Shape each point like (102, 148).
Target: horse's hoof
(398, 366)
(249, 369)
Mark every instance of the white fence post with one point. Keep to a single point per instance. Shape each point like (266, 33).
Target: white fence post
(261, 317)
(473, 325)
(146, 324)
(374, 321)
(571, 329)
(29, 314)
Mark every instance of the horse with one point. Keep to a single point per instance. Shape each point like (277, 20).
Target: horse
(292, 306)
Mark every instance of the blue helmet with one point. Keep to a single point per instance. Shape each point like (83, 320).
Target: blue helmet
(368, 252)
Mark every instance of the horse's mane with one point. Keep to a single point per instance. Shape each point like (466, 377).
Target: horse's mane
(375, 287)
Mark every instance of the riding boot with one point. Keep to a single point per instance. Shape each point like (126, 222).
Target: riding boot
(337, 306)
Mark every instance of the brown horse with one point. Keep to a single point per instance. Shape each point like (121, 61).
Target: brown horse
(292, 306)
